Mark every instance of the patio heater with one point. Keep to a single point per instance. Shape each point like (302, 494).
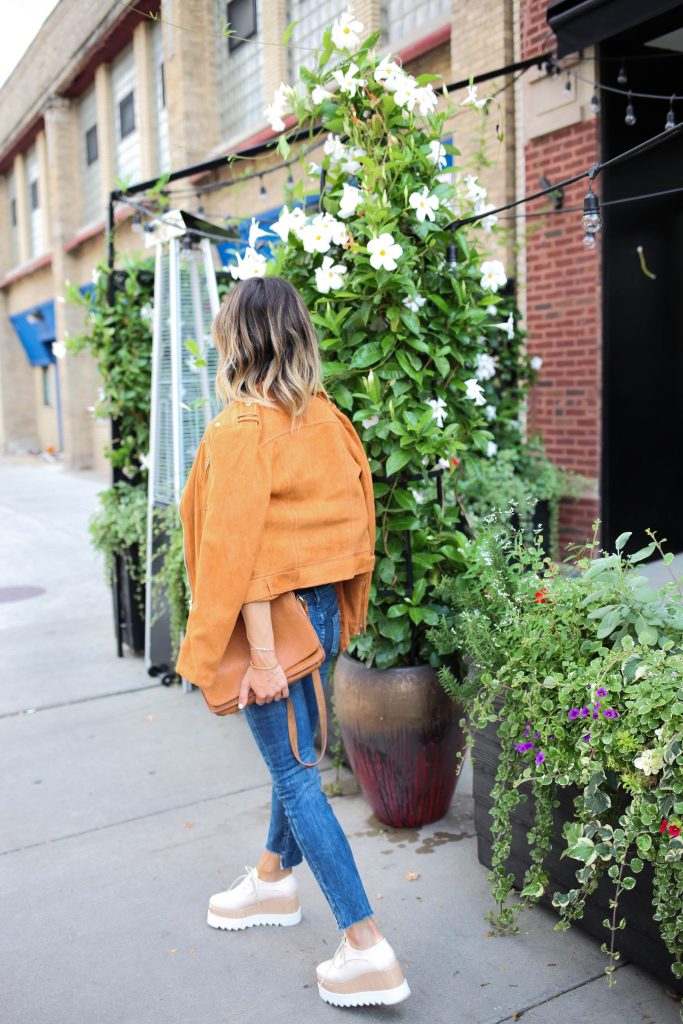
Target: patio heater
(183, 401)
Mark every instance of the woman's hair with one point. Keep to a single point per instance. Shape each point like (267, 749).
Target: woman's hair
(267, 346)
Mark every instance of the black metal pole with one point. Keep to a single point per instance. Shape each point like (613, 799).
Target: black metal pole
(116, 473)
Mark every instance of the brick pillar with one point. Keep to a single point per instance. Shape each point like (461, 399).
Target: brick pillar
(191, 71)
(369, 12)
(482, 38)
(78, 376)
(146, 96)
(105, 131)
(44, 191)
(275, 58)
(23, 226)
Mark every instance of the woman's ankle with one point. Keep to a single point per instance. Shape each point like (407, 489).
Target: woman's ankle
(364, 934)
(269, 868)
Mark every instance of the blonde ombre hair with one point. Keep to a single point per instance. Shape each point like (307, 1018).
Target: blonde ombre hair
(267, 346)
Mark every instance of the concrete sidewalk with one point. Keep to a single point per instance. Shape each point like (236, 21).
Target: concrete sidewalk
(125, 805)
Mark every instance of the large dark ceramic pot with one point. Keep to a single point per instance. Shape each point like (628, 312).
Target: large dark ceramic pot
(402, 737)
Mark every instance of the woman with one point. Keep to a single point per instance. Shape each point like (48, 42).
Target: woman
(279, 498)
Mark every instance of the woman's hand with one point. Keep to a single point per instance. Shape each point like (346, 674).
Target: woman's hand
(267, 684)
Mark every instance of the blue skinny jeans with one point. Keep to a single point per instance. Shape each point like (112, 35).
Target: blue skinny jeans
(302, 822)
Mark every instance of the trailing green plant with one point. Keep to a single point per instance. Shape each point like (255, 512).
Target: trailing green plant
(404, 331)
(119, 527)
(583, 675)
(119, 337)
(170, 583)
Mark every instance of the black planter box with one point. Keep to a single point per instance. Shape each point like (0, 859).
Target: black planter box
(640, 942)
(129, 598)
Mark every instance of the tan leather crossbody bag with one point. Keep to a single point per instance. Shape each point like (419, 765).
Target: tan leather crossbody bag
(297, 648)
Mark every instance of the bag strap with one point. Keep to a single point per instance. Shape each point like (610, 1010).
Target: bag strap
(322, 713)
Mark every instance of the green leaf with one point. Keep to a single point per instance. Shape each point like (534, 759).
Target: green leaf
(287, 34)
(621, 540)
(641, 555)
(397, 460)
(283, 147)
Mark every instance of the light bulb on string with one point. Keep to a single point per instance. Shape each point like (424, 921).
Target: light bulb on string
(290, 178)
(670, 119)
(595, 102)
(568, 82)
(630, 115)
(591, 220)
(451, 255)
(136, 224)
(589, 241)
(262, 188)
(622, 78)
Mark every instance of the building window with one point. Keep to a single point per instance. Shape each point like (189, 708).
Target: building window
(402, 18)
(312, 17)
(127, 115)
(35, 201)
(240, 82)
(47, 386)
(241, 17)
(13, 212)
(91, 151)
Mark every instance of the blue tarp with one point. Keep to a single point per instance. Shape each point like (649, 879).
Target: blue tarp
(35, 329)
(228, 250)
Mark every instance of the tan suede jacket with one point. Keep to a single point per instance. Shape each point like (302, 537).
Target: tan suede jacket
(266, 510)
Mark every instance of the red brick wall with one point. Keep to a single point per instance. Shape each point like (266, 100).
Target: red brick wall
(563, 304)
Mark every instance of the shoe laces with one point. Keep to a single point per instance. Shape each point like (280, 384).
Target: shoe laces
(250, 876)
(339, 957)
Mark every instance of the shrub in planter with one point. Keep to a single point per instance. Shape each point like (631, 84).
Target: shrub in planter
(403, 332)
(583, 677)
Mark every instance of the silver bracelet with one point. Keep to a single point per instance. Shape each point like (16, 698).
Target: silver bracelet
(261, 648)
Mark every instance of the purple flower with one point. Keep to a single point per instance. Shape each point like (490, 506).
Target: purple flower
(540, 757)
(536, 735)
(552, 736)
(574, 713)
(601, 691)
(584, 712)
(611, 713)
(597, 704)
(595, 714)
(523, 747)
(586, 738)
(527, 731)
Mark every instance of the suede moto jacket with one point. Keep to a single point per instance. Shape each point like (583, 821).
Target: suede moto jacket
(265, 510)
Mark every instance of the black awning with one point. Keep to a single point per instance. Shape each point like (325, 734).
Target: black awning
(580, 23)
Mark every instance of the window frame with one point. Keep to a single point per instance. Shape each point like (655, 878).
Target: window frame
(127, 104)
(34, 195)
(242, 6)
(91, 133)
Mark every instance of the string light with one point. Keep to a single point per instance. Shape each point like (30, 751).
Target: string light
(670, 119)
(262, 188)
(589, 241)
(568, 82)
(595, 102)
(622, 78)
(630, 115)
(591, 220)
(451, 255)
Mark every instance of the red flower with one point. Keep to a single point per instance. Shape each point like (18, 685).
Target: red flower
(456, 462)
(674, 831)
(663, 826)
(541, 596)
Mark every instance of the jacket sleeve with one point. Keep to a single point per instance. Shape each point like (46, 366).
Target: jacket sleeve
(237, 494)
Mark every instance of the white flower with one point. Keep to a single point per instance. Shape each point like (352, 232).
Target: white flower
(438, 409)
(492, 275)
(491, 449)
(316, 236)
(320, 94)
(508, 326)
(334, 148)
(346, 31)
(255, 232)
(476, 193)
(406, 92)
(347, 81)
(414, 302)
(491, 310)
(328, 277)
(418, 495)
(289, 222)
(437, 154)
(339, 232)
(474, 391)
(351, 197)
(144, 461)
(424, 204)
(349, 161)
(314, 169)
(252, 264)
(649, 762)
(426, 99)
(536, 363)
(486, 367)
(384, 252)
(387, 70)
(472, 100)
(370, 421)
(658, 732)
(279, 107)
(490, 221)
(490, 412)
(96, 273)
(443, 464)
(58, 349)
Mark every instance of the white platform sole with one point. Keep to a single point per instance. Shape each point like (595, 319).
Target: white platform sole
(235, 924)
(380, 997)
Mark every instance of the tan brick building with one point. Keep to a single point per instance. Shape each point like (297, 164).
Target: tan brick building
(107, 93)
